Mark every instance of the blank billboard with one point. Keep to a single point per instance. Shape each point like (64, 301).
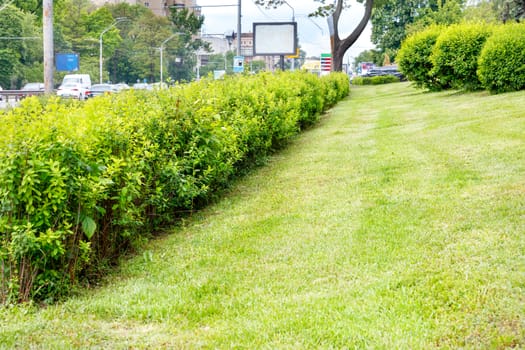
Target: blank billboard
(67, 62)
(274, 38)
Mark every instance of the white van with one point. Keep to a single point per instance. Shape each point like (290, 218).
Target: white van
(75, 85)
(82, 79)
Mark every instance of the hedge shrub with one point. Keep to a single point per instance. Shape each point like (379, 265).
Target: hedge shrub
(502, 60)
(81, 182)
(414, 60)
(455, 56)
(377, 80)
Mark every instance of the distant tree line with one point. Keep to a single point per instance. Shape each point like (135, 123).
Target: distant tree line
(130, 47)
(396, 19)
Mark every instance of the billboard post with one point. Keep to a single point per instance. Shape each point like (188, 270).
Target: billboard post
(67, 62)
(275, 39)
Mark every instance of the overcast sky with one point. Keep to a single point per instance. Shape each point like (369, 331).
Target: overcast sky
(314, 37)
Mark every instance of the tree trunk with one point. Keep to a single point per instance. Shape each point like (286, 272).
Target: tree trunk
(340, 46)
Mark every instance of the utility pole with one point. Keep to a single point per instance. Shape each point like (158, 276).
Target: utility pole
(239, 31)
(48, 46)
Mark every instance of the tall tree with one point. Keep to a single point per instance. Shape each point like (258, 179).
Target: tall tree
(482, 11)
(189, 23)
(30, 6)
(124, 65)
(373, 56)
(31, 60)
(72, 19)
(391, 22)
(138, 56)
(513, 10)
(147, 34)
(339, 45)
(80, 24)
(19, 46)
(501, 10)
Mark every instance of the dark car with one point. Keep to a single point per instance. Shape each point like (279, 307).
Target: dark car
(101, 89)
(386, 70)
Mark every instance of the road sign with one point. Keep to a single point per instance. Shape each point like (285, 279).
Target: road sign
(67, 62)
(238, 64)
(326, 62)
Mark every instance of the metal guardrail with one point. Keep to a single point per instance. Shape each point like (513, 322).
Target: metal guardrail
(17, 95)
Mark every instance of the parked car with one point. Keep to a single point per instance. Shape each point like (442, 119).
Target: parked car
(73, 90)
(141, 86)
(31, 89)
(386, 70)
(83, 79)
(1, 95)
(121, 86)
(159, 86)
(101, 89)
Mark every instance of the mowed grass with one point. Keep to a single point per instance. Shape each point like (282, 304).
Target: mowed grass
(397, 223)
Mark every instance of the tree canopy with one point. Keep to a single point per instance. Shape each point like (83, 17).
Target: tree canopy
(20, 46)
(392, 21)
(335, 11)
(130, 47)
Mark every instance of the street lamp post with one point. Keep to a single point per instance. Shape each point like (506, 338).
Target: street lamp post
(47, 20)
(162, 55)
(239, 29)
(100, 61)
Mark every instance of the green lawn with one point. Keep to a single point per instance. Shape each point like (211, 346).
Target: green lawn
(397, 223)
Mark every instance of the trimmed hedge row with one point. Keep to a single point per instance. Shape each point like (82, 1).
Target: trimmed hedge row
(81, 183)
(377, 80)
(466, 56)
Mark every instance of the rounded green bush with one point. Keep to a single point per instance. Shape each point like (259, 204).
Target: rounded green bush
(413, 57)
(455, 56)
(502, 60)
